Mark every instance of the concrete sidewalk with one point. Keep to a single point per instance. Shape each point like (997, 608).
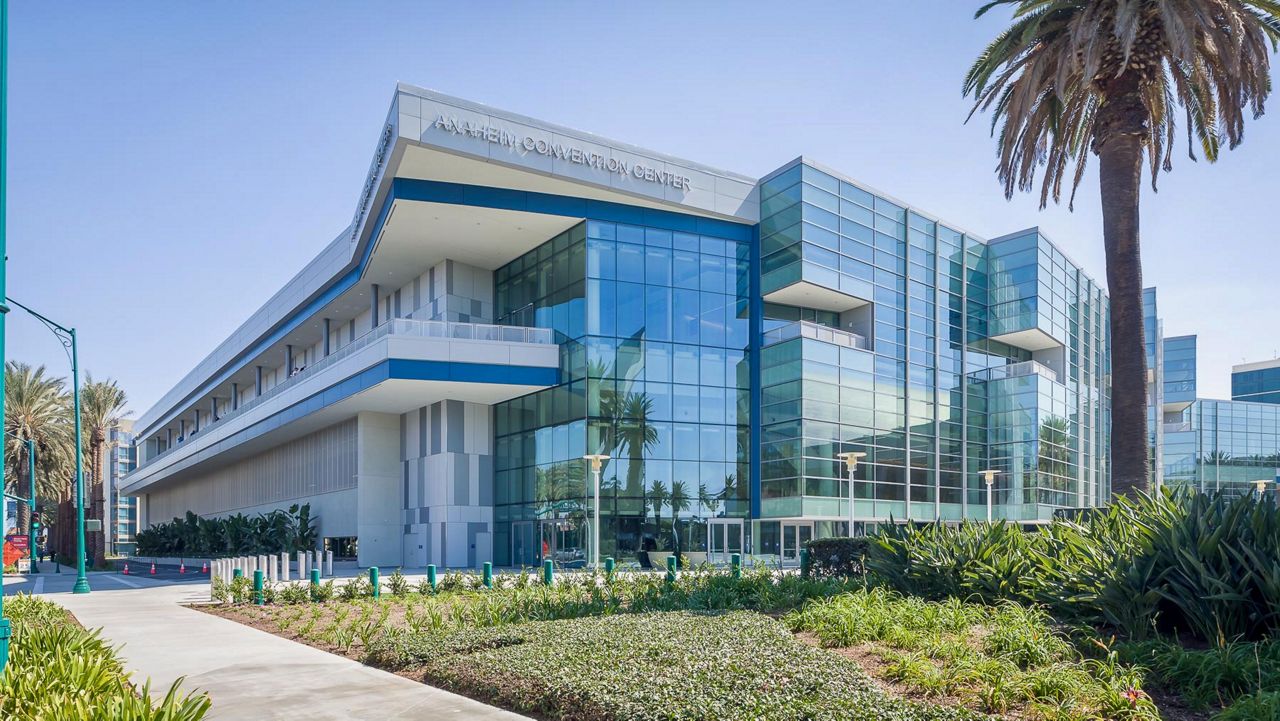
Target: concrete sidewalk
(251, 674)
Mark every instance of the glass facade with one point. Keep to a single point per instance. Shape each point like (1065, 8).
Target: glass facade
(122, 510)
(655, 333)
(1258, 385)
(1224, 446)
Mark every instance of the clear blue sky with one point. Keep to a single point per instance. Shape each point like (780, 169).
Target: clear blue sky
(173, 164)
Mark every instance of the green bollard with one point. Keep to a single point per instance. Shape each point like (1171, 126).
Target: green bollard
(609, 564)
(431, 576)
(375, 582)
(258, 596)
(238, 573)
(671, 569)
(735, 566)
(488, 574)
(315, 584)
(804, 563)
(548, 572)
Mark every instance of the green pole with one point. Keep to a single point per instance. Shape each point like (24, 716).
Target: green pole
(257, 587)
(375, 582)
(548, 572)
(431, 576)
(31, 524)
(4, 309)
(804, 563)
(609, 564)
(671, 569)
(237, 573)
(735, 564)
(488, 574)
(315, 583)
(82, 581)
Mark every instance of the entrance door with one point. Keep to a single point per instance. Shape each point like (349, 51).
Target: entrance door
(524, 547)
(724, 538)
(794, 538)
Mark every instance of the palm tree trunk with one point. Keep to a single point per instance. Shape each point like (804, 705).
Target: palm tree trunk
(98, 540)
(1121, 134)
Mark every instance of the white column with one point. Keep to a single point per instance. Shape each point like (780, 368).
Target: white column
(311, 562)
(302, 565)
(271, 568)
(328, 563)
(284, 565)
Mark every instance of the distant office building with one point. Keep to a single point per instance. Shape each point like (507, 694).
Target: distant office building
(122, 510)
(1204, 443)
(1256, 382)
(512, 295)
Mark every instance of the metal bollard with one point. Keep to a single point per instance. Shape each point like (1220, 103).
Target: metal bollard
(284, 565)
(302, 564)
(328, 563)
(735, 566)
(431, 576)
(238, 573)
(488, 574)
(671, 569)
(313, 562)
(271, 569)
(804, 563)
(315, 584)
(548, 572)
(375, 582)
(609, 564)
(258, 596)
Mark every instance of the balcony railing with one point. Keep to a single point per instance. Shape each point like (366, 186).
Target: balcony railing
(1014, 370)
(807, 329)
(1177, 427)
(397, 327)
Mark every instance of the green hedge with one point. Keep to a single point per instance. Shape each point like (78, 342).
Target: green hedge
(837, 557)
(280, 530)
(681, 665)
(58, 670)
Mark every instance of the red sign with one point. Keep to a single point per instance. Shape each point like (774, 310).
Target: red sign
(20, 541)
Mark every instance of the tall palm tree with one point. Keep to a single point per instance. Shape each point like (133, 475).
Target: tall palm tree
(101, 409)
(38, 407)
(638, 435)
(1071, 77)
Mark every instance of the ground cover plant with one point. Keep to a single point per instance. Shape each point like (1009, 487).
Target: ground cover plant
(59, 671)
(997, 660)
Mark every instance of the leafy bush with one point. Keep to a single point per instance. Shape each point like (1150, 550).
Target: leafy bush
(1261, 706)
(58, 670)
(992, 659)
(1195, 563)
(1208, 677)
(280, 530)
(844, 557)
(650, 666)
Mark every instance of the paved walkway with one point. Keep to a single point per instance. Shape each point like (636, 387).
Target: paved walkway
(249, 674)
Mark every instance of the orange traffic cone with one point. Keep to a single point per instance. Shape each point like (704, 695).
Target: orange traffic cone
(182, 568)
(126, 569)
(153, 568)
(204, 567)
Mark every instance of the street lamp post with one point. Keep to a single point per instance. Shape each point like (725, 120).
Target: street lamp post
(4, 255)
(597, 463)
(1261, 485)
(850, 459)
(989, 477)
(68, 338)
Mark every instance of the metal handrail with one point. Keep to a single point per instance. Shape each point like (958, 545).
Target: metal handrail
(815, 331)
(1014, 370)
(397, 327)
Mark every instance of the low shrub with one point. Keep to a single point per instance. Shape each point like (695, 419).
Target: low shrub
(842, 557)
(1209, 677)
(59, 670)
(1261, 706)
(678, 665)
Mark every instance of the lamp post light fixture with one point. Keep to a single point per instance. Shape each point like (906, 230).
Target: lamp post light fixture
(850, 459)
(989, 477)
(1261, 485)
(597, 463)
(68, 338)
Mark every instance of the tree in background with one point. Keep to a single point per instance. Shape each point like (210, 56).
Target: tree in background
(1071, 77)
(38, 407)
(101, 409)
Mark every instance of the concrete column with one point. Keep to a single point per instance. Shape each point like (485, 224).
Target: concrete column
(328, 563)
(378, 490)
(213, 409)
(288, 361)
(271, 569)
(257, 381)
(235, 396)
(326, 337)
(302, 565)
(373, 306)
(312, 562)
(284, 565)
(197, 423)
(168, 438)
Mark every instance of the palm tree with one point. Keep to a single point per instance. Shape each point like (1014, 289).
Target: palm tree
(1071, 77)
(678, 499)
(38, 407)
(101, 409)
(636, 433)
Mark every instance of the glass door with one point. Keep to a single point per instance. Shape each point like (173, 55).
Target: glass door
(724, 538)
(524, 550)
(794, 537)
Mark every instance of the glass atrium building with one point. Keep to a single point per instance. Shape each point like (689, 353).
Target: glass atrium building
(512, 295)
